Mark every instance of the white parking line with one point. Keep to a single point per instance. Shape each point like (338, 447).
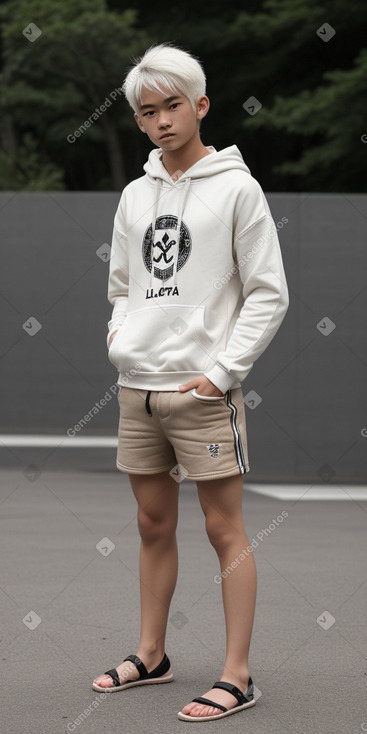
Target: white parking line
(314, 492)
(303, 492)
(62, 441)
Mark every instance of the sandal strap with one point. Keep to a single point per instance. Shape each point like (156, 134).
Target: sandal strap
(114, 675)
(161, 669)
(208, 702)
(241, 697)
(139, 664)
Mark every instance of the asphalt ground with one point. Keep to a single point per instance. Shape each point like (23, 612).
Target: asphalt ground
(70, 609)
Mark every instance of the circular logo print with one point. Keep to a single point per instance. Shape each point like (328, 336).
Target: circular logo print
(165, 246)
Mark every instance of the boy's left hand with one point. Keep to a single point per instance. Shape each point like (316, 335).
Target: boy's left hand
(203, 387)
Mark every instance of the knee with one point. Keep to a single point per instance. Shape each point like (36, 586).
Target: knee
(220, 533)
(153, 528)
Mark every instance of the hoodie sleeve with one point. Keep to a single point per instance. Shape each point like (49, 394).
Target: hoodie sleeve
(265, 301)
(118, 280)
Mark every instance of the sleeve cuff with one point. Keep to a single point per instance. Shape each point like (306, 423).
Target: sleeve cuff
(221, 379)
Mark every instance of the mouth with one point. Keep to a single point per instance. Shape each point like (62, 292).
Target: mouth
(167, 135)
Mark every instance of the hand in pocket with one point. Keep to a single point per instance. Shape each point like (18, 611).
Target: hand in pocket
(207, 388)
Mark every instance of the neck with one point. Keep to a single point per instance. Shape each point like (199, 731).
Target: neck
(185, 157)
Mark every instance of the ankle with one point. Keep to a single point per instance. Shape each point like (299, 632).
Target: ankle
(238, 676)
(149, 653)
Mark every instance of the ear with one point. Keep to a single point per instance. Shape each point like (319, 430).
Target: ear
(139, 123)
(202, 106)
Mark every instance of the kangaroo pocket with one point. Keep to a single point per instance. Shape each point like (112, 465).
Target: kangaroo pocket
(162, 338)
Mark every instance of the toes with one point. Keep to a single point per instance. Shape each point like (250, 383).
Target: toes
(208, 711)
(105, 681)
(187, 709)
(198, 709)
(205, 711)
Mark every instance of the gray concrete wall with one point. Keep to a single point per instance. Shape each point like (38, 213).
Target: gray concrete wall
(311, 422)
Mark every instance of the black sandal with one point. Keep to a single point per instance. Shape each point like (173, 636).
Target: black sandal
(245, 700)
(158, 675)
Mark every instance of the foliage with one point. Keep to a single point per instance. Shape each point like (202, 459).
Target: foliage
(26, 171)
(306, 136)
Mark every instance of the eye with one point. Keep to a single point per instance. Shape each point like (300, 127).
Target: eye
(151, 112)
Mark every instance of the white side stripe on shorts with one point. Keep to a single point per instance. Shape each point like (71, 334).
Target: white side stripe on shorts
(237, 438)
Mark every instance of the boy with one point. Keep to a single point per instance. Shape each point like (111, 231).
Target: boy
(199, 291)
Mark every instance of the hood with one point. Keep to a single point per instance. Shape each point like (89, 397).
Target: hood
(218, 161)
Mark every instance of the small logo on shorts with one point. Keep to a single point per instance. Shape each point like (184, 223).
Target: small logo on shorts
(213, 449)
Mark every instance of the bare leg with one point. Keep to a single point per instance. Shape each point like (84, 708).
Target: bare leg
(221, 501)
(157, 498)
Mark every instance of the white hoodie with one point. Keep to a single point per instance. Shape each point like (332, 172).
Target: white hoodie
(214, 300)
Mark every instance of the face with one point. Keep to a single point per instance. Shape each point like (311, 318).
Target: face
(162, 114)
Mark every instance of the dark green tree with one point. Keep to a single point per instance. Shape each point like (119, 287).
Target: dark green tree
(308, 134)
(315, 115)
(51, 86)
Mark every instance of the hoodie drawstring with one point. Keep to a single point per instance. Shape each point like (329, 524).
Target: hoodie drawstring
(186, 188)
(179, 218)
(157, 192)
(147, 405)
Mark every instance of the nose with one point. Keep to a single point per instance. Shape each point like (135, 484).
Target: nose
(163, 119)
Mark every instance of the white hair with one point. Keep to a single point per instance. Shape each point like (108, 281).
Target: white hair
(164, 65)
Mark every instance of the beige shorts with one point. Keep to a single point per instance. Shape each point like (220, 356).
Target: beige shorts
(197, 436)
